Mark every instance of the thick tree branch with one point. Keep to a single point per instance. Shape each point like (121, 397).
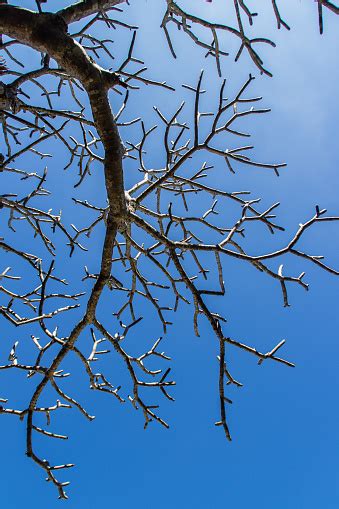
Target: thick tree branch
(84, 8)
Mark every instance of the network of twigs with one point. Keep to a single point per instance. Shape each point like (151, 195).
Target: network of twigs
(170, 258)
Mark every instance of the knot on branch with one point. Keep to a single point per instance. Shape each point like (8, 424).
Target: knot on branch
(8, 98)
(112, 79)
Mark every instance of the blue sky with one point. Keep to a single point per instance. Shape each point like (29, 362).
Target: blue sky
(285, 447)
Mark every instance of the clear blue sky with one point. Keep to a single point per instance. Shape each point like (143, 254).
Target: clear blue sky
(284, 422)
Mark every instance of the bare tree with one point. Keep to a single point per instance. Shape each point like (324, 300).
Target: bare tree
(154, 249)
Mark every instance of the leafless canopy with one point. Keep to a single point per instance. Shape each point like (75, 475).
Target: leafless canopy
(154, 249)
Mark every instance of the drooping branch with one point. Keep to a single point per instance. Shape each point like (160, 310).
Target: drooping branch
(191, 23)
